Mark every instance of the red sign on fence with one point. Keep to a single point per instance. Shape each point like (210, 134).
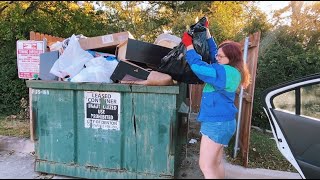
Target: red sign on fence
(28, 58)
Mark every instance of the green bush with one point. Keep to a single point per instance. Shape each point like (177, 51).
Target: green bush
(12, 89)
(282, 57)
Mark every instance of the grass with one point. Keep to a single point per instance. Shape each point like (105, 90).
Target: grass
(263, 153)
(11, 126)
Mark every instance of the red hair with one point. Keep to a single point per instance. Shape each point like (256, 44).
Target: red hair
(232, 50)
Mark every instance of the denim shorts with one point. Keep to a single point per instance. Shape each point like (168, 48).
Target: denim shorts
(219, 132)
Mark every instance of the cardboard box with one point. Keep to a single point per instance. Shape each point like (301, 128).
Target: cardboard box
(28, 58)
(106, 43)
(142, 52)
(128, 71)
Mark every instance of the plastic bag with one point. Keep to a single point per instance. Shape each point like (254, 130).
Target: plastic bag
(174, 62)
(98, 69)
(71, 62)
(61, 46)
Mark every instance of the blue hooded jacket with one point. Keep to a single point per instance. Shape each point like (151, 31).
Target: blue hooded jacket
(221, 83)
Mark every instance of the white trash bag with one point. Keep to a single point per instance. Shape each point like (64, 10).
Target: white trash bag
(97, 69)
(72, 60)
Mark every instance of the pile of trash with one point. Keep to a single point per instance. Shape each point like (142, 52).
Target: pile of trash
(120, 58)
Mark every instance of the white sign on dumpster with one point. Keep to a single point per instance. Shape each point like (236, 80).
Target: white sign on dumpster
(28, 58)
(102, 110)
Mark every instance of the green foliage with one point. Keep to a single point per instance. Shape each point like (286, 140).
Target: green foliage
(288, 52)
(145, 23)
(283, 57)
(255, 21)
(12, 89)
(226, 19)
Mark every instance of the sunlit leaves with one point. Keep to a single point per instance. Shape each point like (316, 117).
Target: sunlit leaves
(73, 6)
(226, 18)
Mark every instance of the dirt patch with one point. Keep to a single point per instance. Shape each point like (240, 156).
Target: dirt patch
(189, 167)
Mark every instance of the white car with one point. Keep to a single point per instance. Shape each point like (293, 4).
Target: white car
(293, 109)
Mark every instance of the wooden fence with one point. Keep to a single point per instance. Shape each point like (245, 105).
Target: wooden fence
(248, 95)
(39, 37)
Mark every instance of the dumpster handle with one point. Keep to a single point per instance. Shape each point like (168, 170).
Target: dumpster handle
(171, 144)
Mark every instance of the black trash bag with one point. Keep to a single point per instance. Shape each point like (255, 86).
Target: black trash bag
(175, 64)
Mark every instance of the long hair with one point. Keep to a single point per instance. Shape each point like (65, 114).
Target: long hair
(232, 51)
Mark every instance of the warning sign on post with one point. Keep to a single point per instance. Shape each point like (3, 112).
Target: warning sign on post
(28, 58)
(102, 110)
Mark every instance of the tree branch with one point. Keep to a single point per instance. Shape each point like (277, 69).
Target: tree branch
(33, 6)
(4, 7)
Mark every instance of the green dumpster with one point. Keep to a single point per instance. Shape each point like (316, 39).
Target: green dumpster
(98, 130)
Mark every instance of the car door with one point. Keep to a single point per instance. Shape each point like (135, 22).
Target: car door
(293, 110)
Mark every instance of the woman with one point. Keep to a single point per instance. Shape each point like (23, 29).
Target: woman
(217, 110)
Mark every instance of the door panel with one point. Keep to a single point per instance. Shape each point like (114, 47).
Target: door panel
(293, 110)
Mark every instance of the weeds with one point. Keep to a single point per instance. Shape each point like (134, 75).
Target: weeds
(12, 126)
(263, 153)
(16, 125)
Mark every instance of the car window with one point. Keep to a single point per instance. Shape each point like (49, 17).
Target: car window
(309, 101)
(285, 101)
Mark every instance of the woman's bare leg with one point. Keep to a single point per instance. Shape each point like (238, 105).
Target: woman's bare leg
(210, 160)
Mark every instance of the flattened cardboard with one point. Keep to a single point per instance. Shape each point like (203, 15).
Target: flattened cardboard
(143, 52)
(127, 70)
(106, 43)
(47, 60)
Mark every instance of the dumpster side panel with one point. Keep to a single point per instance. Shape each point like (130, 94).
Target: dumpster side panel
(181, 129)
(154, 114)
(55, 126)
(105, 148)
